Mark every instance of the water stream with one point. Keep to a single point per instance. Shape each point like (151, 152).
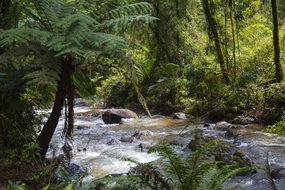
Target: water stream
(102, 149)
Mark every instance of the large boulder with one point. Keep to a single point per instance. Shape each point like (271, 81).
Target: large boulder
(116, 115)
(243, 120)
(222, 151)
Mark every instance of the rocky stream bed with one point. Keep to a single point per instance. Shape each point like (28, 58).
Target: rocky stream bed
(101, 148)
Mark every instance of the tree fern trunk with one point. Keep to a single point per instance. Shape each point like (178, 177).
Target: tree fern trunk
(50, 126)
(70, 100)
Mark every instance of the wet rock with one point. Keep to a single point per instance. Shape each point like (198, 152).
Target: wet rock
(198, 142)
(207, 125)
(157, 117)
(177, 140)
(181, 115)
(142, 147)
(223, 151)
(79, 102)
(142, 134)
(228, 127)
(278, 172)
(127, 139)
(66, 172)
(243, 120)
(79, 127)
(115, 115)
(222, 125)
(229, 154)
(229, 134)
(113, 142)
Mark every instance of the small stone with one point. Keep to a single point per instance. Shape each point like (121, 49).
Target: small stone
(181, 115)
(229, 134)
(141, 134)
(112, 142)
(127, 139)
(142, 146)
(207, 125)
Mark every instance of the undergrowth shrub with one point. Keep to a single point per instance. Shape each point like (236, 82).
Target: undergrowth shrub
(277, 128)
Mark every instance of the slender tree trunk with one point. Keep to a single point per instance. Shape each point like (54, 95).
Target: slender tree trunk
(50, 126)
(279, 70)
(218, 47)
(231, 5)
(226, 37)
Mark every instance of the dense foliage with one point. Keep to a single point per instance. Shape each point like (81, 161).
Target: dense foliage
(211, 58)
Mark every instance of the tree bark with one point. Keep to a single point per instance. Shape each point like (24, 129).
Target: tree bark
(215, 35)
(232, 9)
(278, 67)
(50, 126)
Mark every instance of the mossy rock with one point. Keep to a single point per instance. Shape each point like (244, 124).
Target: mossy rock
(222, 151)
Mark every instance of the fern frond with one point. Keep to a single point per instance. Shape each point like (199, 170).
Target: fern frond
(124, 21)
(100, 40)
(45, 74)
(23, 36)
(103, 7)
(176, 167)
(140, 8)
(68, 22)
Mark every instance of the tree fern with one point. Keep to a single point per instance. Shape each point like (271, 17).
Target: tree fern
(59, 29)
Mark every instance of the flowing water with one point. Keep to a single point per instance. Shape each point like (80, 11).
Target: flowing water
(108, 149)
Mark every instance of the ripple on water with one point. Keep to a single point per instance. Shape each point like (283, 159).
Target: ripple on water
(103, 159)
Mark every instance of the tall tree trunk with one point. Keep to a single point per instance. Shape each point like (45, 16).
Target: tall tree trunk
(215, 35)
(279, 71)
(232, 9)
(50, 126)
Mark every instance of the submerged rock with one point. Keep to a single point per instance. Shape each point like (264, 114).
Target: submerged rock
(116, 115)
(142, 134)
(113, 142)
(127, 139)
